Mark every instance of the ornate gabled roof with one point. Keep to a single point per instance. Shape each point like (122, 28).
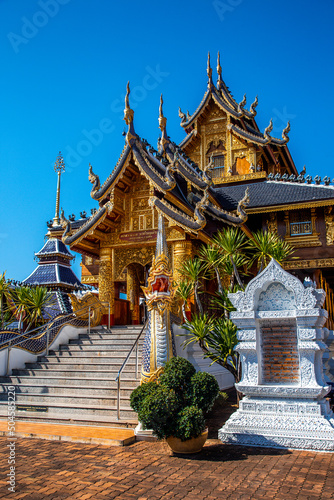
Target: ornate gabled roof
(222, 97)
(169, 171)
(89, 225)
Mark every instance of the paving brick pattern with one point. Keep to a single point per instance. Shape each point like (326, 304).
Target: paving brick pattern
(149, 471)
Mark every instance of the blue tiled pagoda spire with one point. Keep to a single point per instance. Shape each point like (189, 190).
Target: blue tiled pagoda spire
(54, 268)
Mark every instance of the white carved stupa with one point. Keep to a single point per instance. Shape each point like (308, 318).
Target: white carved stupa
(281, 344)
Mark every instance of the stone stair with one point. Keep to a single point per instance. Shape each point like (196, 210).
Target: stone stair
(76, 384)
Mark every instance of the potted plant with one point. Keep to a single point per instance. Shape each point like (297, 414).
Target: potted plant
(175, 406)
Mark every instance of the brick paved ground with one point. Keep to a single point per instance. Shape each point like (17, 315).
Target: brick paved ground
(148, 471)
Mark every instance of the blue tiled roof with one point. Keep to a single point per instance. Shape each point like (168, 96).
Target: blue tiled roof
(54, 246)
(48, 274)
(269, 193)
(66, 275)
(42, 275)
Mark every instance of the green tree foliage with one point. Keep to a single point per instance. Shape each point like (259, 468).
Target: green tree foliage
(28, 305)
(230, 256)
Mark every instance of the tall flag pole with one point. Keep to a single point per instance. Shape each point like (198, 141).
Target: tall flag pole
(59, 167)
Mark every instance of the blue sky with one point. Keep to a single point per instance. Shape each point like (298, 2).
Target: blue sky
(65, 65)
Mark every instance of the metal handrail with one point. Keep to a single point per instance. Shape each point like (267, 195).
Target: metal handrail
(118, 377)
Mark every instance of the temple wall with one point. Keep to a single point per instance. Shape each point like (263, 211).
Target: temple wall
(18, 357)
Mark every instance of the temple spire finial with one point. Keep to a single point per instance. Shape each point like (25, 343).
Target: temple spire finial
(162, 125)
(219, 72)
(59, 167)
(128, 117)
(209, 71)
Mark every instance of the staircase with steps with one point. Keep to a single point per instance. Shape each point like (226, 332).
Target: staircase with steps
(76, 384)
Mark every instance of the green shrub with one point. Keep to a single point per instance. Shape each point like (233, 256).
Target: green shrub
(175, 405)
(204, 390)
(139, 394)
(158, 411)
(190, 423)
(177, 374)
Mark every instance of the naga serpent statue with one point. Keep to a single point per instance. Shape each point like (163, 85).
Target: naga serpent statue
(93, 179)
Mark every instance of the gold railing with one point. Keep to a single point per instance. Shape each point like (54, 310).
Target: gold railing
(329, 302)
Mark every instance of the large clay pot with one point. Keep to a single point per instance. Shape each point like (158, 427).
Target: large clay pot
(193, 445)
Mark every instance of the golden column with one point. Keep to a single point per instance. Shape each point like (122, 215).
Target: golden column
(182, 250)
(132, 291)
(106, 282)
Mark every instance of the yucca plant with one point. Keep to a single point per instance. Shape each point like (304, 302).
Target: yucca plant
(184, 292)
(265, 246)
(232, 242)
(5, 289)
(192, 270)
(211, 257)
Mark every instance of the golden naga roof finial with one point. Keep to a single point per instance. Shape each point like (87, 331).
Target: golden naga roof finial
(242, 104)
(182, 116)
(268, 130)
(162, 125)
(128, 117)
(219, 71)
(162, 118)
(285, 132)
(253, 106)
(59, 167)
(209, 71)
(128, 112)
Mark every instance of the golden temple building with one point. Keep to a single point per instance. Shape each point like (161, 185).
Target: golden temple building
(225, 172)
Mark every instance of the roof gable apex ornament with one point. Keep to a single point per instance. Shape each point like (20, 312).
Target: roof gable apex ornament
(162, 126)
(66, 224)
(128, 118)
(242, 104)
(267, 131)
(182, 116)
(219, 72)
(304, 298)
(253, 106)
(285, 132)
(243, 203)
(93, 179)
(209, 72)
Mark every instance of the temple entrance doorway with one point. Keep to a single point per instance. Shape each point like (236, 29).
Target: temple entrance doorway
(129, 298)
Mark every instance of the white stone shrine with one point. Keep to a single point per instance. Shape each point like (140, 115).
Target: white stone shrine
(280, 329)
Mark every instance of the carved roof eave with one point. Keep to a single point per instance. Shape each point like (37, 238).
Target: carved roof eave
(198, 111)
(90, 225)
(112, 179)
(291, 206)
(223, 215)
(257, 138)
(175, 216)
(187, 140)
(145, 163)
